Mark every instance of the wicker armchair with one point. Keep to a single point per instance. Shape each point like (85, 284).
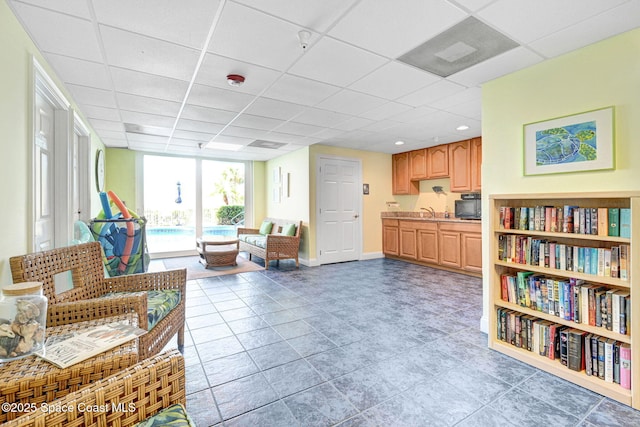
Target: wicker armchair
(94, 296)
(123, 399)
(273, 246)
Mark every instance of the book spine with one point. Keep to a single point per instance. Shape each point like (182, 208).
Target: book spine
(608, 361)
(625, 366)
(625, 222)
(616, 363)
(603, 222)
(587, 351)
(601, 357)
(614, 222)
(575, 353)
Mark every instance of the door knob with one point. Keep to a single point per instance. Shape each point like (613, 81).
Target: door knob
(356, 216)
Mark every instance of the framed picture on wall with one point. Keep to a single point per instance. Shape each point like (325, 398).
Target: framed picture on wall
(575, 143)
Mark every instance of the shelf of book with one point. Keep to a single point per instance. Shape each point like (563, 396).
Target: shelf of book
(559, 209)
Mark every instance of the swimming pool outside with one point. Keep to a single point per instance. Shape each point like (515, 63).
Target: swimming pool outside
(181, 238)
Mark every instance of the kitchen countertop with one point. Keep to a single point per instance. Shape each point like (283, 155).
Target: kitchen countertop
(424, 216)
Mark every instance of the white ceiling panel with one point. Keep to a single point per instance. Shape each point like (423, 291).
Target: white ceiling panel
(137, 83)
(300, 90)
(508, 62)
(614, 21)
(216, 68)
(186, 22)
(144, 104)
(354, 63)
(139, 62)
(80, 72)
(275, 45)
(135, 52)
(102, 113)
(317, 15)
(392, 28)
(275, 109)
(77, 40)
(394, 80)
(212, 97)
(350, 102)
(92, 96)
(526, 21)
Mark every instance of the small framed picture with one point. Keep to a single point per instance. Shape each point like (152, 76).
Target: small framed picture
(365, 188)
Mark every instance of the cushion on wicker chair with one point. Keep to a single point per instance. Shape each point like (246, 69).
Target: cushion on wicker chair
(174, 415)
(254, 239)
(159, 303)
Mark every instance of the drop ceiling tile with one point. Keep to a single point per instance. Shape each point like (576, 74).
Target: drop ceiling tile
(112, 134)
(607, 24)
(197, 126)
(153, 56)
(471, 109)
(276, 46)
(70, 7)
(410, 116)
(185, 23)
(385, 111)
(282, 137)
(353, 124)
(300, 129)
(431, 93)
(467, 95)
(389, 29)
(151, 85)
(275, 109)
(256, 122)
(99, 125)
(80, 72)
(244, 132)
(144, 104)
(204, 114)
(498, 66)
(102, 113)
(319, 117)
(381, 125)
(474, 5)
(349, 102)
(394, 80)
(300, 90)
(159, 141)
(328, 134)
(228, 100)
(335, 62)
(77, 40)
(215, 68)
(228, 139)
(526, 21)
(91, 96)
(147, 119)
(192, 136)
(316, 14)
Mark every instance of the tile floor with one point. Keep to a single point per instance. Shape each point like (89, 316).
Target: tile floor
(370, 343)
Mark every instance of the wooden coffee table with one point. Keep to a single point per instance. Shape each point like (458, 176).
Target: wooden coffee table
(31, 382)
(217, 251)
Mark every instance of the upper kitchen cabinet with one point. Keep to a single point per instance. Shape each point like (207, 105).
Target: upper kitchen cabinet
(465, 158)
(418, 165)
(438, 161)
(402, 183)
(476, 164)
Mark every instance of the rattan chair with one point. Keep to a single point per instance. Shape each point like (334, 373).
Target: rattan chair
(123, 399)
(94, 296)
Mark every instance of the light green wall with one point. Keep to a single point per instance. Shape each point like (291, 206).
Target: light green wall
(294, 200)
(600, 75)
(120, 166)
(16, 94)
(259, 207)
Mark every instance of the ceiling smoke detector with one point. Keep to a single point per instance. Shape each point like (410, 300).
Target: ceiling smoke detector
(304, 36)
(235, 79)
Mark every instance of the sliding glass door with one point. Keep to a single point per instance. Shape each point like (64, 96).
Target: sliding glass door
(186, 198)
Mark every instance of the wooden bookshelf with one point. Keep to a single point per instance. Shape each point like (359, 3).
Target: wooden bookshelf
(498, 267)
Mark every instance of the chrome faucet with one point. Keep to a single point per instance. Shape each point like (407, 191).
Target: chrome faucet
(430, 210)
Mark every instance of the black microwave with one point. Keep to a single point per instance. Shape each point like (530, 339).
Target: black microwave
(469, 209)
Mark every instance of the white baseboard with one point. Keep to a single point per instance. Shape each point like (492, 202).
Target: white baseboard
(371, 255)
(484, 324)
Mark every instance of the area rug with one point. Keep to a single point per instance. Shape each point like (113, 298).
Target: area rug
(195, 270)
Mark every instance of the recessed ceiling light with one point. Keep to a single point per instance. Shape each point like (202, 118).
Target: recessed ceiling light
(462, 127)
(399, 142)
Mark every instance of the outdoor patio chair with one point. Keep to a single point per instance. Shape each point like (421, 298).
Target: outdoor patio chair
(157, 298)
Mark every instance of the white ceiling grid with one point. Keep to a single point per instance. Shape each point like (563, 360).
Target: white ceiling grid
(138, 63)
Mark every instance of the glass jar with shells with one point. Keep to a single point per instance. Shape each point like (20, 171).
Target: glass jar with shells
(23, 317)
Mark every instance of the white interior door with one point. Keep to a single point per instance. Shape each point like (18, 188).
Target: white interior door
(339, 204)
(43, 177)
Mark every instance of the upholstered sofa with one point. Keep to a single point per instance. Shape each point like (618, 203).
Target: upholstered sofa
(276, 239)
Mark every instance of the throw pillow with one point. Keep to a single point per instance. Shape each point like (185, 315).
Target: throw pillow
(288, 230)
(265, 228)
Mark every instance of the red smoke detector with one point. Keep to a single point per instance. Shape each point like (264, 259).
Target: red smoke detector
(235, 79)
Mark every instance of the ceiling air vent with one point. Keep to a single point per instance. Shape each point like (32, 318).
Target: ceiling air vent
(267, 144)
(465, 44)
